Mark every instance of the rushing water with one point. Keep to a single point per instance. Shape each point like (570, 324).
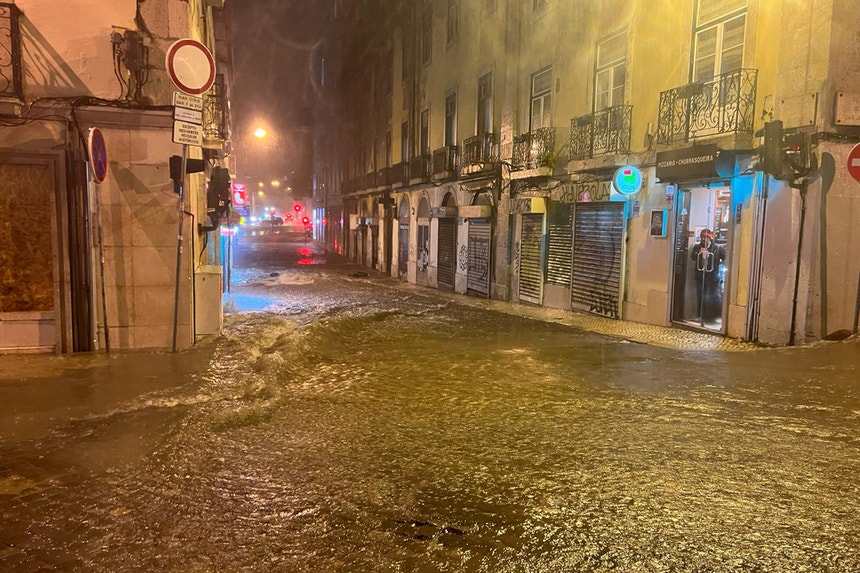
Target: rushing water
(345, 425)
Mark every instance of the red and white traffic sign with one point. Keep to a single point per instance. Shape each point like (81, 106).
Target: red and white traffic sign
(191, 66)
(98, 154)
(854, 162)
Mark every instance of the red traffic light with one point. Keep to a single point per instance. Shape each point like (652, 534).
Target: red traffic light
(297, 207)
(305, 220)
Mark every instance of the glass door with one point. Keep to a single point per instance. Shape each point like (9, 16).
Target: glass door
(700, 251)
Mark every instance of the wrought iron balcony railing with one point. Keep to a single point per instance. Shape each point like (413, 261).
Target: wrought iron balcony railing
(479, 149)
(534, 149)
(601, 132)
(383, 178)
(216, 121)
(10, 51)
(419, 169)
(701, 109)
(368, 181)
(400, 174)
(445, 161)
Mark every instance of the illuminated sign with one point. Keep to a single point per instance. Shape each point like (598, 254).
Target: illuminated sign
(240, 196)
(627, 180)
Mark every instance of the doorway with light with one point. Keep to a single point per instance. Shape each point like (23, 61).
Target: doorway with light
(701, 251)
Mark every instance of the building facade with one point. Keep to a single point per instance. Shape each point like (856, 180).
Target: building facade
(89, 216)
(603, 157)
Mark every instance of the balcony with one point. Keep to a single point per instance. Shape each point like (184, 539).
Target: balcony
(419, 169)
(10, 51)
(601, 133)
(535, 150)
(445, 163)
(368, 181)
(399, 176)
(216, 126)
(724, 105)
(479, 154)
(383, 179)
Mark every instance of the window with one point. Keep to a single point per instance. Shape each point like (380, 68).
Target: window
(541, 100)
(451, 120)
(611, 71)
(425, 132)
(485, 104)
(719, 38)
(404, 141)
(388, 149)
(405, 55)
(453, 21)
(427, 33)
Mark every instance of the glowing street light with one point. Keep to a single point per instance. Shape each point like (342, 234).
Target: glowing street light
(259, 133)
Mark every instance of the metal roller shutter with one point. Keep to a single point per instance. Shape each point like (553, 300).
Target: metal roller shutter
(598, 240)
(447, 255)
(478, 274)
(531, 265)
(560, 241)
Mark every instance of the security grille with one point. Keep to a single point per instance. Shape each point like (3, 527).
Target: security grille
(403, 249)
(531, 265)
(447, 255)
(598, 242)
(558, 260)
(478, 274)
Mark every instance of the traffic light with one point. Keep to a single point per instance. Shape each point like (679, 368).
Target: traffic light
(799, 150)
(306, 221)
(772, 152)
(297, 207)
(218, 193)
(191, 166)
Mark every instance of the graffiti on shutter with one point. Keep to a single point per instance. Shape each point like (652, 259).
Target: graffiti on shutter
(478, 273)
(559, 243)
(531, 265)
(598, 240)
(447, 254)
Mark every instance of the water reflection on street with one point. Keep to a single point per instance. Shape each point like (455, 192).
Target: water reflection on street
(347, 425)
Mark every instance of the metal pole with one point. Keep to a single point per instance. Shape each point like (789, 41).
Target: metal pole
(181, 213)
(802, 188)
(100, 237)
(857, 305)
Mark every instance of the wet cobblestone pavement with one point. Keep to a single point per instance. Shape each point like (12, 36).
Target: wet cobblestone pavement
(351, 423)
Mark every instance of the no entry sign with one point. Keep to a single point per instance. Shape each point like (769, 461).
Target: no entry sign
(191, 66)
(854, 162)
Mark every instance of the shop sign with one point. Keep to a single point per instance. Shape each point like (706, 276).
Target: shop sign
(627, 180)
(697, 162)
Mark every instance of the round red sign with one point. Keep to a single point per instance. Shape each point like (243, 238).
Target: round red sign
(98, 154)
(854, 162)
(191, 66)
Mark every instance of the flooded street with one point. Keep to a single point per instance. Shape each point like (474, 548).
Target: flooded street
(347, 422)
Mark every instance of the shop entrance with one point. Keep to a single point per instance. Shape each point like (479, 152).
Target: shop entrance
(701, 250)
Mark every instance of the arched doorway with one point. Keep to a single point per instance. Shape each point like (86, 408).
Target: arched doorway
(422, 242)
(446, 253)
(478, 260)
(403, 238)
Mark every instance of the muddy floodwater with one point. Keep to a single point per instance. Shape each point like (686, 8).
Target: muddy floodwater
(345, 423)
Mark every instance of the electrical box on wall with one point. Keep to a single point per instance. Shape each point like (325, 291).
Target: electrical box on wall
(208, 312)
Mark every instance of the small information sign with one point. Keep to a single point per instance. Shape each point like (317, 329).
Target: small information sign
(187, 133)
(187, 101)
(189, 115)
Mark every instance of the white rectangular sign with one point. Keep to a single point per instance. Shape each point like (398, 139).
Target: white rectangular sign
(190, 115)
(187, 101)
(187, 133)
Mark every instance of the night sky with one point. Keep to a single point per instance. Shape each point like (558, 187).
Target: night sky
(273, 44)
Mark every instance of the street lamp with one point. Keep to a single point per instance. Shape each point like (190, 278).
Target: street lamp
(259, 133)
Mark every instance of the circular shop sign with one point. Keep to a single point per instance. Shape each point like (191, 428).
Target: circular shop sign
(191, 66)
(627, 180)
(98, 154)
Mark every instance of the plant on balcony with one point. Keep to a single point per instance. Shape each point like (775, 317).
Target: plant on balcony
(547, 159)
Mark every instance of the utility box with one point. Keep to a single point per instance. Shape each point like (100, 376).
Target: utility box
(208, 310)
